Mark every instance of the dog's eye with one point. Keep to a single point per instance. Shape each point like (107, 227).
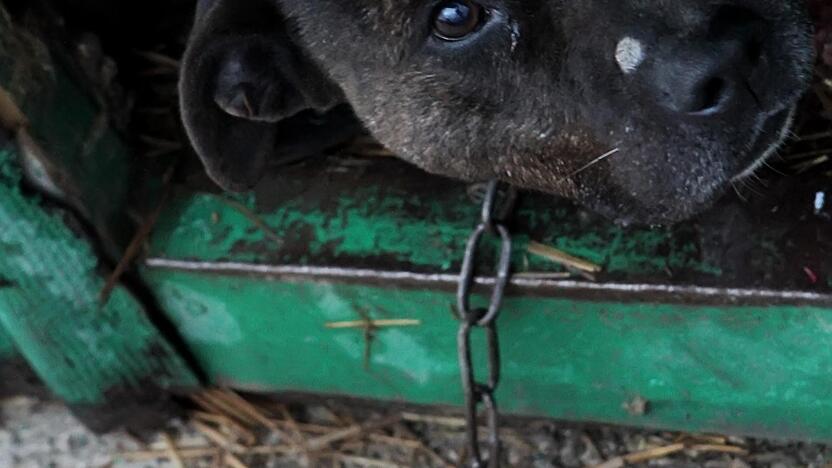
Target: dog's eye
(455, 19)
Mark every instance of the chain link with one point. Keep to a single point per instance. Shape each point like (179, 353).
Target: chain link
(477, 393)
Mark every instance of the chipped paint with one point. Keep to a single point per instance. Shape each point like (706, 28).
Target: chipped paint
(51, 312)
(374, 221)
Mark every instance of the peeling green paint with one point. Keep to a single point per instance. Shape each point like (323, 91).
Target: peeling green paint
(363, 224)
(50, 277)
(731, 369)
(423, 233)
(51, 311)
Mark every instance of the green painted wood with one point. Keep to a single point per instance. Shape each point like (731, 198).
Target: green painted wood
(83, 161)
(385, 215)
(82, 350)
(764, 371)
(255, 316)
(7, 349)
(338, 220)
(51, 274)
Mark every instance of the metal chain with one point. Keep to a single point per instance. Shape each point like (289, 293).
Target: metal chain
(476, 392)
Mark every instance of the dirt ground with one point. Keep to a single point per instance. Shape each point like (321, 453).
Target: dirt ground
(36, 433)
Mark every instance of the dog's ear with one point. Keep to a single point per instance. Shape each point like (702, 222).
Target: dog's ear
(242, 76)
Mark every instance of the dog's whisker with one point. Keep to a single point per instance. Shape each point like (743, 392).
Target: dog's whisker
(595, 161)
(815, 136)
(771, 166)
(755, 177)
(749, 184)
(739, 192)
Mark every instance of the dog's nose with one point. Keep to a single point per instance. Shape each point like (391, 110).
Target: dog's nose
(708, 73)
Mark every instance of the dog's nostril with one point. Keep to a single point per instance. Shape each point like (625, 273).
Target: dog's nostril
(705, 73)
(709, 96)
(692, 94)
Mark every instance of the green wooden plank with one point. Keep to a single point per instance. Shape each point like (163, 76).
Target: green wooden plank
(7, 349)
(389, 216)
(81, 349)
(763, 371)
(87, 353)
(16, 377)
(82, 161)
(387, 224)
(710, 346)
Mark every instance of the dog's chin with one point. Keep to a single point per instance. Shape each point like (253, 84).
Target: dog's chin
(769, 136)
(773, 133)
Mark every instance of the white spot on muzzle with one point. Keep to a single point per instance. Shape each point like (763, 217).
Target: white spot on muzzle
(629, 54)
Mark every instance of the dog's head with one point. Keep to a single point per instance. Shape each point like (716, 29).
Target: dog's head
(643, 111)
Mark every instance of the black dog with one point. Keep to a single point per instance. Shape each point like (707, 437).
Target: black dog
(645, 111)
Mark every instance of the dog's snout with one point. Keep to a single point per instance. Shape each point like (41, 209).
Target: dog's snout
(708, 73)
(700, 81)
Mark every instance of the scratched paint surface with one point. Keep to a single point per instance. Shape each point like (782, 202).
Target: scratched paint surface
(50, 307)
(738, 370)
(741, 370)
(377, 224)
(387, 215)
(50, 276)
